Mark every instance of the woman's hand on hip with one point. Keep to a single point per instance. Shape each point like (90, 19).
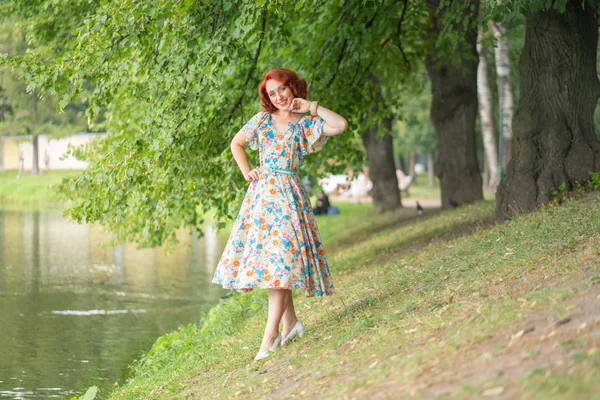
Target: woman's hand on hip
(252, 175)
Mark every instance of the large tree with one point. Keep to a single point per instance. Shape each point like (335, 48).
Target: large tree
(453, 72)
(554, 140)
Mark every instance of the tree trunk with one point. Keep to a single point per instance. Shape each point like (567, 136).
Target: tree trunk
(382, 170)
(502, 58)
(486, 117)
(35, 160)
(411, 166)
(554, 132)
(430, 175)
(453, 112)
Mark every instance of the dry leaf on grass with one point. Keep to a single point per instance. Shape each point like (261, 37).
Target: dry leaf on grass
(493, 391)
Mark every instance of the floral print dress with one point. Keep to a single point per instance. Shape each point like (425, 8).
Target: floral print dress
(275, 242)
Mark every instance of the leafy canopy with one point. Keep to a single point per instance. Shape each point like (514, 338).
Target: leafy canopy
(177, 79)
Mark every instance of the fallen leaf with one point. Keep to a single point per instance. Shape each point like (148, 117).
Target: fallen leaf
(493, 391)
(592, 351)
(563, 321)
(518, 334)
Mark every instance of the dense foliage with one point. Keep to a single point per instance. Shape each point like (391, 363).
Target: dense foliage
(177, 79)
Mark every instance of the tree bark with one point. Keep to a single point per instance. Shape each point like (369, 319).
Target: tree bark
(453, 112)
(35, 170)
(502, 58)
(486, 117)
(554, 139)
(382, 170)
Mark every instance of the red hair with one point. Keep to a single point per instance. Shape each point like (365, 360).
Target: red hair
(289, 79)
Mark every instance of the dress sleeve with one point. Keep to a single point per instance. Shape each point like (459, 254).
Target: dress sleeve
(313, 139)
(251, 130)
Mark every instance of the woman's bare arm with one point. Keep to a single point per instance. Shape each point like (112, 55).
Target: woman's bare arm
(334, 122)
(239, 154)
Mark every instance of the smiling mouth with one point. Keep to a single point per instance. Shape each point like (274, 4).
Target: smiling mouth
(282, 103)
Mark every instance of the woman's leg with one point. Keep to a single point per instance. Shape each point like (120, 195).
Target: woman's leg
(277, 304)
(289, 315)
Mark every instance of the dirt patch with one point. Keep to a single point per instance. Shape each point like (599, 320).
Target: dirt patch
(539, 341)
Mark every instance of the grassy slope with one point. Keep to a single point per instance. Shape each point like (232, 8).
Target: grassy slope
(413, 316)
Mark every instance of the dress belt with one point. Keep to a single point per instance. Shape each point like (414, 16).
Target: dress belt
(280, 170)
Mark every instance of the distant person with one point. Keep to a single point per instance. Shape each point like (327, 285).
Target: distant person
(21, 164)
(322, 204)
(46, 161)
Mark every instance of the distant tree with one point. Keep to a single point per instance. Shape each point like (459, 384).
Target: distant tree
(415, 132)
(452, 68)
(22, 110)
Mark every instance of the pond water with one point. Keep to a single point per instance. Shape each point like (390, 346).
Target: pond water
(74, 315)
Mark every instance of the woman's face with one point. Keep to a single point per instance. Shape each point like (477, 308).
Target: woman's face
(281, 96)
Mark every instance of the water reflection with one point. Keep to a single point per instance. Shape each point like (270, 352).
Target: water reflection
(75, 315)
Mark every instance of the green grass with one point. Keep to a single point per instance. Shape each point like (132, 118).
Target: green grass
(422, 190)
(32, 190)
(413, 300)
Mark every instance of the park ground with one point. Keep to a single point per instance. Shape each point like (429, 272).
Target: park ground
(448, 305)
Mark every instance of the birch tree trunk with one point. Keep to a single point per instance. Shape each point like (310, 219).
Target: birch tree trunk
(484, 96)
(501, 55)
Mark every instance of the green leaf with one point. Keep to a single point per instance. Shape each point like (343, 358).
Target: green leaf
(90, 394)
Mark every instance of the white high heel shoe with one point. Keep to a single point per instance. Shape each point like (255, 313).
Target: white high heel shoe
(264, 354)
(297, 330)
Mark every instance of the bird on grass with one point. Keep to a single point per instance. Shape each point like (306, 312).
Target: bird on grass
(420, 209)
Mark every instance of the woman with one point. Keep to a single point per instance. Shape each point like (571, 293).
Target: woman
(274, 243)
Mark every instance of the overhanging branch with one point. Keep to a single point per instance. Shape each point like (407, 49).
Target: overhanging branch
(337, 67)
(399, 32)
(254, 63)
